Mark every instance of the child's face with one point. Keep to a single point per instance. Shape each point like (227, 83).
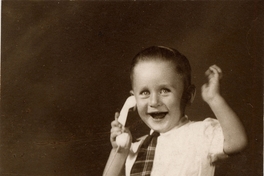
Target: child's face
(158, 89)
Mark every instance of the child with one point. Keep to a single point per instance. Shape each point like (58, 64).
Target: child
(161, 84)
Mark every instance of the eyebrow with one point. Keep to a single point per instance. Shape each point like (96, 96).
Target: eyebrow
(159, 86)
(167, 85)
(144, 88)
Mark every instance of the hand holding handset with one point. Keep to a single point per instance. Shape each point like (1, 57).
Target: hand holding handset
(116, 160)
(123, 139)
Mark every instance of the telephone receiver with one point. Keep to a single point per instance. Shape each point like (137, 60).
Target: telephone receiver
(122, 140)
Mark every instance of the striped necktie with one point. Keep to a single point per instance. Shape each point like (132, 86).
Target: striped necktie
(144, 161)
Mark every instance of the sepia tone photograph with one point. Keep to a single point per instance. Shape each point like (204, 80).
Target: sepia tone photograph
(86, 84)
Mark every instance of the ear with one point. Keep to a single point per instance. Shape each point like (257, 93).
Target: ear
(192, 93)
(189, 95)
(131, 92)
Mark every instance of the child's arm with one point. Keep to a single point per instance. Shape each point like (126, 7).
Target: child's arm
(115, 165)
(235, 138)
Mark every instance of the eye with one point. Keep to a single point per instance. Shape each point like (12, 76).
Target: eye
(164, 91)
(144, 93)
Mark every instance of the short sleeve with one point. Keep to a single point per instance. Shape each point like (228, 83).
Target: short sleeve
(215, 139)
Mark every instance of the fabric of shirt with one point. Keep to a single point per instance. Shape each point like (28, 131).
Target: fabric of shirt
(188, 150)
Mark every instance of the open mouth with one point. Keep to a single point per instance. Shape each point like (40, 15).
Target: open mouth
(158, 115)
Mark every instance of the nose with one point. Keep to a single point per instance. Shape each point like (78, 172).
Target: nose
(154, 101)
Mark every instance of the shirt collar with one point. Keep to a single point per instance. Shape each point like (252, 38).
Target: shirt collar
(183, 121)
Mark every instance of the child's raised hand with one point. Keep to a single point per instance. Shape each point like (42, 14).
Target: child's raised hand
(116, 130)
(211, 89)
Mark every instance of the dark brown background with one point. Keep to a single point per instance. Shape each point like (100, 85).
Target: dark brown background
(65, 72)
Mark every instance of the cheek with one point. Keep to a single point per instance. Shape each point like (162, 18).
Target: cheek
(172, 102)
(141, 106)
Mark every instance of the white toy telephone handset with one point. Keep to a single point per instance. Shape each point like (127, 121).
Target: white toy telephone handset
(122, 140)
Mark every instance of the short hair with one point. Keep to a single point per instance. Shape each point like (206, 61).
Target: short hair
(162, 53)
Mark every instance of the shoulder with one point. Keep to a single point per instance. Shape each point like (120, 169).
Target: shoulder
(206, 123)
(208, 126)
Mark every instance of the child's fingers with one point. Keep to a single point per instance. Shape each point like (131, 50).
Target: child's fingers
(213, 69)
(115, 123)
(116, 115)
(115, 133)
(208, 72)
(116, 126)
(216, 70)
(115, 129)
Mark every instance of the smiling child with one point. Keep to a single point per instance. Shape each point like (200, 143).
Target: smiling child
(161, 84)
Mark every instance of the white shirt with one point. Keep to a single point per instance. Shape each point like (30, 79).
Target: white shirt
(188, 150)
